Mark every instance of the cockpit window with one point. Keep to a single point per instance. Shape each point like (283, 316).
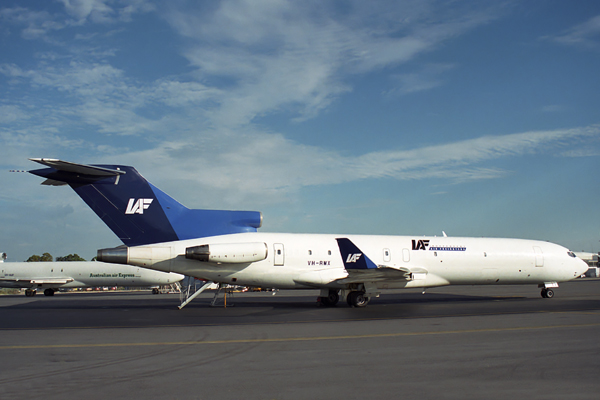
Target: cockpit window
(571, 254)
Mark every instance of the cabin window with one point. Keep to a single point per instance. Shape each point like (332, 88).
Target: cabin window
(310, 252)
(329, 252)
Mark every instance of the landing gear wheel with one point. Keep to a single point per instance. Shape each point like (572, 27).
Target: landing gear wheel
(49, 292)
(357, 299)
(547, 293)
(331, 300)
(30, 293)
(155, 291)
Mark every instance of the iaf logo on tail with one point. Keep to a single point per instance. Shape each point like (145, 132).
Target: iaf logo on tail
(138, 207)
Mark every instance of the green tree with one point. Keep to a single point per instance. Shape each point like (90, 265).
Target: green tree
(43, 257)
(70, 257)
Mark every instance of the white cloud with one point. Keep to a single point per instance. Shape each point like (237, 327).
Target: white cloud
(105, 11)
(252, 59)
(582, 152)
(585, 34)
(242, 169)
(277, 54)
(82, 9)
(11, 113)
(273, 55)
(425, 79)
(37, 23)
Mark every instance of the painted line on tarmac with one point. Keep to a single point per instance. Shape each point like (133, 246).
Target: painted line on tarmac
(293, 339)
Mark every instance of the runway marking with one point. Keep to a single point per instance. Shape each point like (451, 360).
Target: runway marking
(292, 339)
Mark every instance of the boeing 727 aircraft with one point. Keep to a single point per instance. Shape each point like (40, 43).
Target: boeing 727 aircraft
(52, 276)
(225, 246)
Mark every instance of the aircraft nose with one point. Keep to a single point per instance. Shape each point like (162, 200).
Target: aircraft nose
(582, 267)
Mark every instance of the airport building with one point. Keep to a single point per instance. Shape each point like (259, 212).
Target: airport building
(592, 261)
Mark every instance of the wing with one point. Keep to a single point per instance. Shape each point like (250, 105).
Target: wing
(383, 273)
(361, 269)
(26, 283)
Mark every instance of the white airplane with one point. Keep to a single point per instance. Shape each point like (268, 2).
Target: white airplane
(51, 276)
(225, 246)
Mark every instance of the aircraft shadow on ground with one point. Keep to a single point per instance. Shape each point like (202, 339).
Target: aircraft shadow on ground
(160, 311)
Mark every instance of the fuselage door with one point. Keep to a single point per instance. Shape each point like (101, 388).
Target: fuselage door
(387, 255)
(539, 256)
(405, 255)
(279, 253)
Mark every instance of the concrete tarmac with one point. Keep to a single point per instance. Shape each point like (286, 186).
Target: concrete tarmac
(494, 342)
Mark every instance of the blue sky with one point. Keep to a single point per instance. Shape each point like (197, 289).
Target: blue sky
(479, 118)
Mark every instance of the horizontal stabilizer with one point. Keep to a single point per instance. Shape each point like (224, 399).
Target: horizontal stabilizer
(81, 169)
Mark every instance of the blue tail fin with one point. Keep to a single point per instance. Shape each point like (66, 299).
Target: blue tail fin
(138, 212)
(352, 256)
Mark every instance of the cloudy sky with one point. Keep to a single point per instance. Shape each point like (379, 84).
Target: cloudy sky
(479, 118)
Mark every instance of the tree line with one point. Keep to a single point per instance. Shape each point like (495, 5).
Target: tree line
(48, 257)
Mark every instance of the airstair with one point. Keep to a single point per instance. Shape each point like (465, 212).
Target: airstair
(192, 287)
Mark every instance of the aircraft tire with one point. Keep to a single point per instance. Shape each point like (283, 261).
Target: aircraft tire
(49, 292)
(547, 293)
(331, 300)
(30, 293)
(357, 299)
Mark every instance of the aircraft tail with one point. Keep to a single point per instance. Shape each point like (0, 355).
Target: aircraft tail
(138, 212)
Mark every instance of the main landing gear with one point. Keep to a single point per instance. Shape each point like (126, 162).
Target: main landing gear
(355, 298)
(49, 292)
(30, 292)
(331, 299)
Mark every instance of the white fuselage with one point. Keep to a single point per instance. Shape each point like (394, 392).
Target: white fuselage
(73, 274)
(297, 261)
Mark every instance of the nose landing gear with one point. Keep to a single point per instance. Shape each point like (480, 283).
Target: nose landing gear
(547, 293)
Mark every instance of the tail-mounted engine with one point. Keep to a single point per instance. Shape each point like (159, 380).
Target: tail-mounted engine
(228, 253)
